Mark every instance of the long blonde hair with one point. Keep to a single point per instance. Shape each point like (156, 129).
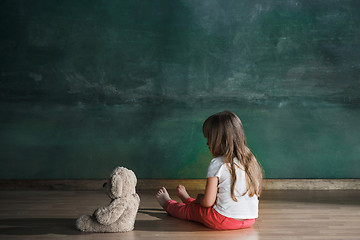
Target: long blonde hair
(226, 137)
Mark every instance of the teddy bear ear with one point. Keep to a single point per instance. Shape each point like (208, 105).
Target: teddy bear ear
(116, 185)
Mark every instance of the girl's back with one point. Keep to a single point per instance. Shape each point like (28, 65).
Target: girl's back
(245, 207)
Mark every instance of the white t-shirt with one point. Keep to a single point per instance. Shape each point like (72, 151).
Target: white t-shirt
(246, 207)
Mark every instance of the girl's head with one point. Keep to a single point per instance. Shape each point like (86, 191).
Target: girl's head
(225, 135)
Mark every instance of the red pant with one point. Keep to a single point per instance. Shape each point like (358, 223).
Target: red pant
(208, 216)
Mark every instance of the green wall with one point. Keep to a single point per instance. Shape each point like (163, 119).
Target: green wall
(89, 85)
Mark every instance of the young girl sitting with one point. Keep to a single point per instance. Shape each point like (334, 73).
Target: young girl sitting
(234, 180)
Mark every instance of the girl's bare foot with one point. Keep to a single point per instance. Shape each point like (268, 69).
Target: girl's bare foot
(162, 197)
(182, 193)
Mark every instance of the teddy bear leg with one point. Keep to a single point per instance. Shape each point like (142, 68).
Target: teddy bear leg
(86, 223)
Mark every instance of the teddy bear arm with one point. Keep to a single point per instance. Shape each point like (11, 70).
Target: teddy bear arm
(108, 215)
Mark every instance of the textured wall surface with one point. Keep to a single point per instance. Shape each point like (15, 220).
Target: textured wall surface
(89, 85)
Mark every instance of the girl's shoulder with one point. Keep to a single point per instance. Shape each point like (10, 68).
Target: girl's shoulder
(218, 160)
(215, 166)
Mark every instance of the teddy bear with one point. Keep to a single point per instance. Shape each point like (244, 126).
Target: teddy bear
(120, 214)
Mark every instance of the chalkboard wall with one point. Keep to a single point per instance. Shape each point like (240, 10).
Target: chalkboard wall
(88, 85)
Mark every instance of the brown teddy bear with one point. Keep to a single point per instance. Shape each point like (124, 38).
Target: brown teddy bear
(120, 214)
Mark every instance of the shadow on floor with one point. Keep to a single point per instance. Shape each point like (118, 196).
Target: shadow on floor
(38, 226)
(66, 226)
(160, 222)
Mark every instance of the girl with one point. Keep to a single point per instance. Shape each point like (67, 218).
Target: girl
(234, 180)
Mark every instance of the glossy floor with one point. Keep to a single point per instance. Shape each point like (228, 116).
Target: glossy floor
(283, 215)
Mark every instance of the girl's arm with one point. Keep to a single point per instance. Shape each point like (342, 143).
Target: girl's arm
(211, 189)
